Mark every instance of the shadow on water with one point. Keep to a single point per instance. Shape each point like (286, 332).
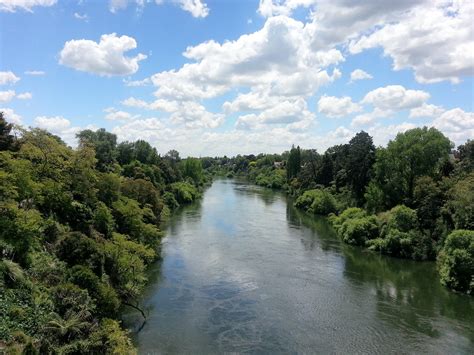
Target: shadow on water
(408, 292)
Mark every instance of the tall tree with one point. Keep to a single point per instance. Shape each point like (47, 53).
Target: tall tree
(105, 145)
(360, 159)
(293, 165)
(412, 154)
(6, 139)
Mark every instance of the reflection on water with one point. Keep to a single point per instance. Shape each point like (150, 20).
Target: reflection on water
(243, 271)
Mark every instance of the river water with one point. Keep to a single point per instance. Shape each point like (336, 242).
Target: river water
(245, 272)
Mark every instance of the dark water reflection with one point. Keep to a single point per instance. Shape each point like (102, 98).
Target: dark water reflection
(243, 271)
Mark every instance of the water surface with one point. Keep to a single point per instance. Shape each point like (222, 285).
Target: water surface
(243, 271)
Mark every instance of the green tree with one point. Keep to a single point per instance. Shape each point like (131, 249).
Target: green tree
(361, 157)
(7, 140)
(105, 145)
(412, 154)
(293, 166)
(456, 261)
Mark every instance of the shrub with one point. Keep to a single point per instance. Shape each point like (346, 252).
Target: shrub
(317, 201)
(184, 192)
(456, 261)
(358, 231)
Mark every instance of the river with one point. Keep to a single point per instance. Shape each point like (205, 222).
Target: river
(243, 271)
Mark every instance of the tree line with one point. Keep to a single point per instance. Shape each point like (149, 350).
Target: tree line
(78, 228)
(412, 199)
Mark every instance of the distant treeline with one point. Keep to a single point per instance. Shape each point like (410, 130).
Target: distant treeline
(412, 199)
(78, 228)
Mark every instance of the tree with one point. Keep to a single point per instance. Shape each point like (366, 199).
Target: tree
(415, 153)
(360, 159)
(105, 145)
(6, 139)
(192, 168)
(456, 261)
(293, 165)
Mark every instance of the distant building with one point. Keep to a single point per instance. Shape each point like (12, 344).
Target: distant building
(279, 164)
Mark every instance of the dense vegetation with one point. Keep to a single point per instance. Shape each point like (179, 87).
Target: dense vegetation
(78, 228)
(412, 199)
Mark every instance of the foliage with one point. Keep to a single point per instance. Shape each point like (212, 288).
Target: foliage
(456, 261)
(184, 192)
(65, 270)
(412, 154)
(354, 226)
(317, 201)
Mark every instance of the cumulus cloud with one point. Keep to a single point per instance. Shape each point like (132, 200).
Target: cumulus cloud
(7, 77)
(52, 124)
(426, 110)
(332, 106)
(35, 72)
(395, 98)
(11, 116)
(117, 115)
(456, 124)
(26, 5)
(436, 41)
(6, 96)
(292, 114)
(24, 96)
(106, 58)
(370, 117)
(197, 8)
(359, 74)
(61, 127)
(275, 61)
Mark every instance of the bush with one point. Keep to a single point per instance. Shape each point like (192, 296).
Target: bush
(358, 231)
(400, 235)
(184, 192)
(317, 201)
(456, 261)
(354, 226)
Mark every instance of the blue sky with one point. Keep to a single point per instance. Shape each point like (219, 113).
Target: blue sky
(228, 77)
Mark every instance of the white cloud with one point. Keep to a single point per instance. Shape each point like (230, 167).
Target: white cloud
(83, 17)
(197, 8)
(195, 115)
(396, 98)
(24, 96)
(268, 8)
(104, 58)
(277, 59)
(332, 106)
(456, 124)
(27, 5)
(11, 116)
(370, 117)
(52, 124)
(117, 115)
(6, 96)
(7, 77)
(291, 114)
(135, 83)
(426, 110)
(35, 72)
(435, 40)
(116, 5)
(382, 134)
(359, 74)
(61, 127)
